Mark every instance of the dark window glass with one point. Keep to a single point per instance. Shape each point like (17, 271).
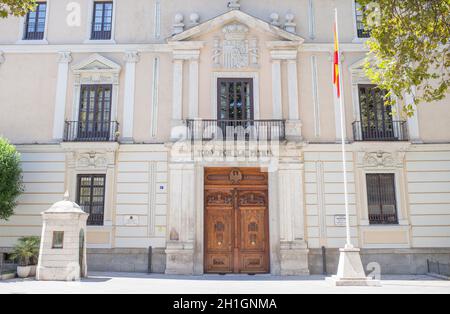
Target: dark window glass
(102, 21)
(35, 22)
(58, 240)
(381, 199)
(91, 197)
(95, 112)
(376, 117)
(360, 27)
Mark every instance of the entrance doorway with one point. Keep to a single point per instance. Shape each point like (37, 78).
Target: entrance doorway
(236, 221)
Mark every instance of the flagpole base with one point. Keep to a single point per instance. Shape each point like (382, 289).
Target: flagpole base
(351, 271)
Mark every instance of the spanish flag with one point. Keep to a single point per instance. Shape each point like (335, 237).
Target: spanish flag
(336, 80)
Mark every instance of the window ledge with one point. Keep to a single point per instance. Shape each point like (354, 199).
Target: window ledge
(99, 41)
(358, 40)
(32, 42)
(99, 228)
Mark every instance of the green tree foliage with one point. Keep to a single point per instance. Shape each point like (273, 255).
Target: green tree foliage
(409, 48)
(10, 178)
(16, 7)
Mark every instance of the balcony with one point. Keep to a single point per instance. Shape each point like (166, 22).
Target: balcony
(236, 130)
(391, 131)
(78, 131)
(383, 219)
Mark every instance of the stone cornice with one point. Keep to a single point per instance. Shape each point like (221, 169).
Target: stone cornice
(156, 48)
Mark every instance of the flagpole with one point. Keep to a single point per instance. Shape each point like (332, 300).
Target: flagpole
(344, 153)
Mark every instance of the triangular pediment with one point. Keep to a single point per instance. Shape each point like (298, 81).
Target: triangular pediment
(240, 17)
(96, 63)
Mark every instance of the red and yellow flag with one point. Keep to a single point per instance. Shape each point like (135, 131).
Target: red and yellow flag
(336, 79)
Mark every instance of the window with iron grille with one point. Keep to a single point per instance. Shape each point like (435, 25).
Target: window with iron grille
(376, 117)
(35, 22)
(95, 112)
(360, 27)
(91, 197)
(381, 199)
(102, 20)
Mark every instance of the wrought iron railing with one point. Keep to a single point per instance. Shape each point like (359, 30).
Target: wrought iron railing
(95, 220)
(89, 131)
(391, 131)
(383, 219)
(236, 130)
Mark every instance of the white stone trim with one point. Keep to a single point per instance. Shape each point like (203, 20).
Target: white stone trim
(315, 93)
(86, 76)
(96, 47)
(131, 58)
(22, 25)
(311, 19)
(61, 95)
(256, 90)
(177, 97)
(413, 122)
(194, 87)
(90, 20)
(236, 16)
(157, 21)
(277, 96)
(155, 97)
(293, 90)
(389, 162)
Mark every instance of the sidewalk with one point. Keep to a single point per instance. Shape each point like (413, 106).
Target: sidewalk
(124, 283)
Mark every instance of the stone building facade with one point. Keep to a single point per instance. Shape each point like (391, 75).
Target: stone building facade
(118, 102)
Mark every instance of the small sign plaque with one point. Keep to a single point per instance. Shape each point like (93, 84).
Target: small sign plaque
(340, 220)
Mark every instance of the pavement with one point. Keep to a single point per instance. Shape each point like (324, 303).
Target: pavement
(128, 283)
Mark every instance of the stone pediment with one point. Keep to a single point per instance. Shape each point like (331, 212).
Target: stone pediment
(96, 63)
(236, 17)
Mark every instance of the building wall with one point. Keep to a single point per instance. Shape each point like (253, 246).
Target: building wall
(138, 185)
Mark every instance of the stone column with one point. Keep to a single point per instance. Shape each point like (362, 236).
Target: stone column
(293, 124)
(193, 86)
(177, 96)
(181, 220)
(61, 95)
(131, 58)
(293, 247)
(413, 122)
(277, 96)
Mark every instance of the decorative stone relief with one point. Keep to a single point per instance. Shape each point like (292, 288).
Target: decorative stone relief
(84, 160)
(64, 57)
(381, 159)
(236, 51)
(131, 57)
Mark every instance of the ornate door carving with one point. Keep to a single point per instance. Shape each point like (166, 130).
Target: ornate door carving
(236, 221)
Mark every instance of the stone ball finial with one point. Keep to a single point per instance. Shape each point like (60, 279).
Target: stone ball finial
(275, 19)
(178, 19)
(66, 196)
(290, 17)
(195, 18)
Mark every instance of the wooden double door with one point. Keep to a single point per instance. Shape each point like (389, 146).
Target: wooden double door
(236, 221)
